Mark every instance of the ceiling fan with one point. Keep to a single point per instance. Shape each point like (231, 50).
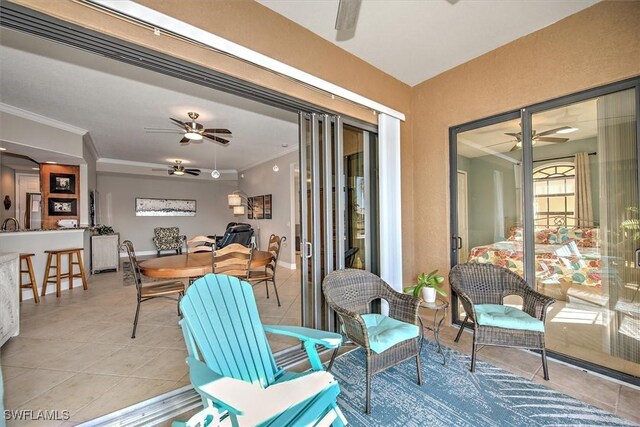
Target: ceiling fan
(193, 131)
(348, 11)
(178, 169)
(542, 136)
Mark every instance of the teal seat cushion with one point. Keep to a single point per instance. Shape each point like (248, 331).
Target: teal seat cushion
(503, 316)
(385, 332)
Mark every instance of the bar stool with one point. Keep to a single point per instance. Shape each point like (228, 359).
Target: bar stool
(58, 253)
(27, 268)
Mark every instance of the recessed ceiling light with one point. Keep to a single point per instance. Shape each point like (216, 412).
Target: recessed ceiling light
(215, 174)
(35, 169)
(3, 149)
(51, 163)
(567, 130)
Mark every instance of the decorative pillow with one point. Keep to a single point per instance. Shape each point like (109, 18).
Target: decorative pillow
(515, 234)
(547, 236)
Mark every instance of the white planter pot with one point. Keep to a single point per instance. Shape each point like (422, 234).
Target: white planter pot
(429, 294)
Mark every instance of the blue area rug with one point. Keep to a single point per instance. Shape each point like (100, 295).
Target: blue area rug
(453, 396)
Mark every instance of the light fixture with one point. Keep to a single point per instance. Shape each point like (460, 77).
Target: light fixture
(234, 199)
(193, 135)
(35, 169)
(178, 172)
(3, 149)
(567, 130)
(238, 210)
(215, 174)
(51, 163)
(276, 168)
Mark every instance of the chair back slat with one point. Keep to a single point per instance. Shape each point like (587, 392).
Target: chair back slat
(200, 244)
(234, 260)
(136, 275)
(275, 244)
(221, 315)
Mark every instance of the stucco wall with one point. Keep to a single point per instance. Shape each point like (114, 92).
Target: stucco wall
(594, 47)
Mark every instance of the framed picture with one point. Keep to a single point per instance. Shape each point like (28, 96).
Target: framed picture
(258, 207)
(62, 183)
(267, 206)
(250, 208)
(165, 207)
(63, 207)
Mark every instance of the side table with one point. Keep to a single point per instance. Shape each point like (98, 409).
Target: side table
(439, 307)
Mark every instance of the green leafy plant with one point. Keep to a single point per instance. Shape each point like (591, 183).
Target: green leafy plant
(431, 280)
(104, 229)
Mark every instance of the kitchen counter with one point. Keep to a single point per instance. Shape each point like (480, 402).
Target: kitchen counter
(39, 241)
(43, 230)
(9, 309)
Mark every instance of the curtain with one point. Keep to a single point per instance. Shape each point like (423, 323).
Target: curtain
(584, 207)
(498, 200)
(618, 162)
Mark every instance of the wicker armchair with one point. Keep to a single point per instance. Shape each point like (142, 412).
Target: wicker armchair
(477, 284)
(350, 293)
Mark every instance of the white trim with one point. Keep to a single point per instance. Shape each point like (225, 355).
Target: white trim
(292, 212)
(287, 265)
(120, 162)
(160, 20)
(10, 109)
(270, 158)
(139, 253)
(390, 197)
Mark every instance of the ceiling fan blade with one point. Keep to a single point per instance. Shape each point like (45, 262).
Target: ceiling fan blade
(185, 141)
(158, 170)
(551, 139)
(348, 11)
(170, 171)
(217, 139)
(515, 147)
(199, 126)
(213, 130)
(155, 130)
(194, 172)
(178, 122)
(552, 131)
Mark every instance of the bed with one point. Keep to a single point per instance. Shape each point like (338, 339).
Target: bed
(568, 261)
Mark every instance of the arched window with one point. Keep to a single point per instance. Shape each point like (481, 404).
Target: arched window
(554, 194)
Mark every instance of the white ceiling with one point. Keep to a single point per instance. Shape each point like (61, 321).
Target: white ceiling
(414, 40)
(115, 101)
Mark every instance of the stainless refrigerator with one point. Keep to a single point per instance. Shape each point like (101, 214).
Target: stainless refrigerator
(33, 214)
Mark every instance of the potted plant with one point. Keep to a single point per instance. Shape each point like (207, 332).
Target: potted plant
(427, 286)
(104, 229)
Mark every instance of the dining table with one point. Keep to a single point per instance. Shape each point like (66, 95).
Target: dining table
(192, 265)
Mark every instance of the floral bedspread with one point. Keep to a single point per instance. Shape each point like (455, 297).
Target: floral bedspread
(580, 265)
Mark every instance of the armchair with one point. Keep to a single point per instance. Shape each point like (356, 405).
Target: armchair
(481, 289)
(168, 239)
(386, 340)
(235, 371)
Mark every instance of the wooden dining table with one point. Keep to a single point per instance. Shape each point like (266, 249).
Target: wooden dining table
(191, 265)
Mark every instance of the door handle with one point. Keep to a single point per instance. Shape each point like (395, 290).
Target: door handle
(459, 242)
(309, 250)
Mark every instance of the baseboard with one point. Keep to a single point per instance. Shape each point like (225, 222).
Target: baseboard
(141, 253)
(287, 265)
(27, 294)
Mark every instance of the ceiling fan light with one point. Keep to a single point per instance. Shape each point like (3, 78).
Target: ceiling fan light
(193, 135)
(215, 174)
(178, 172)
(567, 130)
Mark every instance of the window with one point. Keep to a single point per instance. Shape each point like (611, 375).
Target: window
(554, 192)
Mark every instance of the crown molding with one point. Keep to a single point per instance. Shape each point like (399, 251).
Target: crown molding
(269, 159)
(10, 109)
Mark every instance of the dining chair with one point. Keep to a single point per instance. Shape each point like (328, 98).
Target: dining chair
(200, 244)
(386, 340)
(233, 260)
(232, 368)
(171, 289)
(268, 274)
(481, 288)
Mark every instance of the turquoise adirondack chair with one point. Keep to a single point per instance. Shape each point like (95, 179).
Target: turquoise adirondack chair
(232, 367)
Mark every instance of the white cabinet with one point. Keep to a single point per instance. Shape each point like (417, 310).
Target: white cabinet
(104, 252)
(9, 305)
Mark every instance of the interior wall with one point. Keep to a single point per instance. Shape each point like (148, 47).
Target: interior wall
(8, 188)
(261, 179)
(596, 46)
(116, 201)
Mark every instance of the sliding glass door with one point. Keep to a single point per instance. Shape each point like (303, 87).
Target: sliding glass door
(338, 189)
(551, 192)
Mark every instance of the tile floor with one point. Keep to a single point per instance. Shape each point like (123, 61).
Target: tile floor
(75, 353)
